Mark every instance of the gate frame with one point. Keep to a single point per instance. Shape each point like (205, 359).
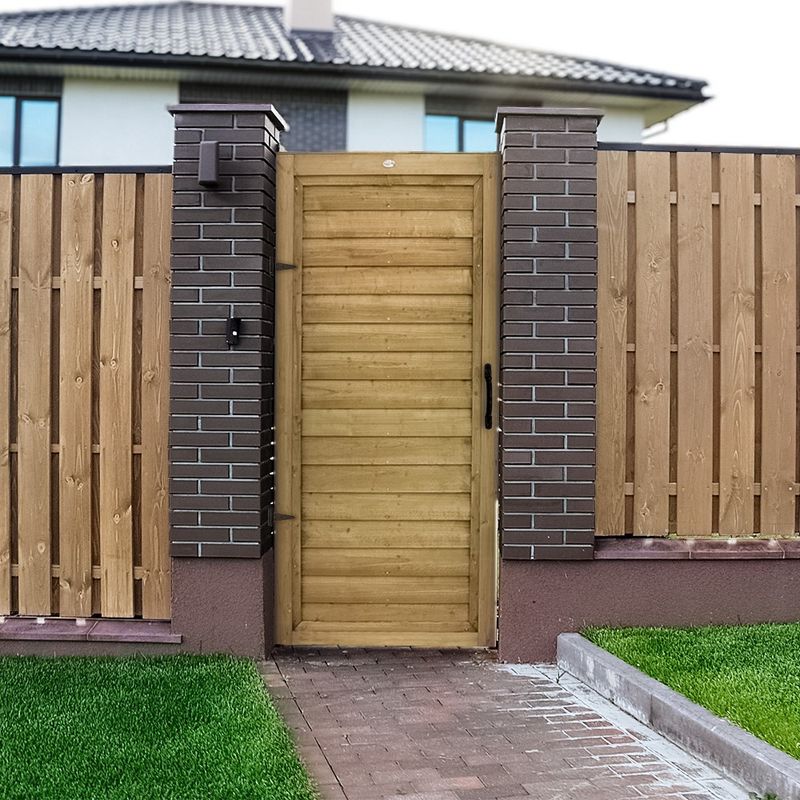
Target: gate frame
(485, 167)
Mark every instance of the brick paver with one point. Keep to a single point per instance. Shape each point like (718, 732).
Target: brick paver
(430, 725)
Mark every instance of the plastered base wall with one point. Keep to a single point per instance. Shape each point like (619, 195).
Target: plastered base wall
(540, 599)
(224, 605)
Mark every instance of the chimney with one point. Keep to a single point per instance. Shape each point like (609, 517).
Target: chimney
(309, 15)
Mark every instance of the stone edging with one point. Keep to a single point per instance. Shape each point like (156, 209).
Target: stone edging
(735, 752)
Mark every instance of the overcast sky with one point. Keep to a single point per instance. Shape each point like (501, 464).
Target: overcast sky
(747, 51)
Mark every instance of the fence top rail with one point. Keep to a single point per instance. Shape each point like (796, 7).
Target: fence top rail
(697, 148)
(81, 170)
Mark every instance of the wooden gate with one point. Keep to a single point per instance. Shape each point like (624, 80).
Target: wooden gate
(386, 463)
(84, 394)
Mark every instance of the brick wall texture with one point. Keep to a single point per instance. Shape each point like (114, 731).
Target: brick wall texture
(548, 317)
(223, 265)
(317, 119)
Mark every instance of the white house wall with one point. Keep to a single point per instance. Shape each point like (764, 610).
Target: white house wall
(377, 121)
(116, 123)
(620, 125)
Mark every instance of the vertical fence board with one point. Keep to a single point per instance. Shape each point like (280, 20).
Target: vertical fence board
(737, 345)
(612, 323)
(155, 397)
(651, 478)
(116, 378)
(34, 422)
(695, 345)
(779, 325)
(6, 211)
(75, 427)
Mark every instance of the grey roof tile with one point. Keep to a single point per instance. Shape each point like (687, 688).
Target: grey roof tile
(257, 34)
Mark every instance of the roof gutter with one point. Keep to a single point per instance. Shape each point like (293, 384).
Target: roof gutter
(347, 71)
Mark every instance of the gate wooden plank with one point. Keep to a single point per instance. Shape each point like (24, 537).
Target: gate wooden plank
(388, 614)
(651, 467)
(369, 197)
(695, 345)
(386, 338)
(6, 214)
(612, 321)
(327, 589)
(387, 308)
(116, 389)
(433, 166)
(157, 216)
(417, 478)
(397, 450)
(386, 394)
(387, 561)
(398, 252)
(778, 334)
(387, 366)
(386, 422)
(34, 412)
(386, 533)
(387, 280)
(387, 506)
(737, 343)
(332, 225)
(75, 399)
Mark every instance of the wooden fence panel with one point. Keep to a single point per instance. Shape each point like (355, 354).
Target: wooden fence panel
(702, 388)
(84, 385)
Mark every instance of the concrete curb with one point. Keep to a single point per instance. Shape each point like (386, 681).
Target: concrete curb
(738, 754)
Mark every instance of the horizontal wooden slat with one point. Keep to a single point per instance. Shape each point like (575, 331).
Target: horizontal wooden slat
(387, 280)
(411, 623)
(387, 338)
(428, 478)
(417, 252)
(55, 571)
(319, 589)
(387, 394)
(332, 225)
(387, 366)
(394, 562)
(313, 634)
(97, 282)
(387, 308)
(389, 506)
(386, 533)
(386, 422)
(388, 165)
(370, 197)
(399, 450)
(385, 613)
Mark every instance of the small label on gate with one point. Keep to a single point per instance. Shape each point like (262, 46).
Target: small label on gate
(389, 163)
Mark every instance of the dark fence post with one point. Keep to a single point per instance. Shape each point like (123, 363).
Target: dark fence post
(222, 348)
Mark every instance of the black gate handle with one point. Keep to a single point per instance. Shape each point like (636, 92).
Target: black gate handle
(487, 376)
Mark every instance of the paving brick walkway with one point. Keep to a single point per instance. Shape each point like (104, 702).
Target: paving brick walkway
(429, 725)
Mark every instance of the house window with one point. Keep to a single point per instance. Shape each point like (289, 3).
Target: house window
(28, 131)
(445, 133)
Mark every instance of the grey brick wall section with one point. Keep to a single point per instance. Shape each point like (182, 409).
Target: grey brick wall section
(548, 318)
(317, 118)
(223, 265)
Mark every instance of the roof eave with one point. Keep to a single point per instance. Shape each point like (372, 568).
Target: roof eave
(169, 61)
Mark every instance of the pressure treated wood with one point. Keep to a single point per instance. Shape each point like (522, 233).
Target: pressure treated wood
(704, 440)
(612, 332)
(33, 404)
(155, 383)
(75, 395)
(382, 461)
(651, 469)
(695, 343)
(778, 334)
(6, 245)
(83, 464)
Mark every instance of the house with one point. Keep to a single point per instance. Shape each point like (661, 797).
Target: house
(90, 86)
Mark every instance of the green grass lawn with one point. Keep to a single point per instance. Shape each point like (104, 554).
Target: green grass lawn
(173, 727)
(749, 674)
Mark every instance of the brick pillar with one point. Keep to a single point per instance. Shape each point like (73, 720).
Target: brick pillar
(221, 423)
(548, 298)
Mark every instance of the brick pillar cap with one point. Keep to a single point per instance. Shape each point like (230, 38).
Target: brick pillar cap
(232, 108)
(542, 111)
